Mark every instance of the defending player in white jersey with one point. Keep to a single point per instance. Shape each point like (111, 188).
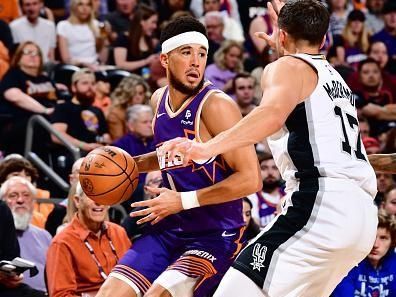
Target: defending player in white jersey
(328, 222)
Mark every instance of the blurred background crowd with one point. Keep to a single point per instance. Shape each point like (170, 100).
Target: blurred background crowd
(78, 74)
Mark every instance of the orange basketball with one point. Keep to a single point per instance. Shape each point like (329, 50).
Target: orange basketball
(108, 175)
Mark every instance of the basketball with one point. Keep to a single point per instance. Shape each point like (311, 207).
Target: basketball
(108, 175)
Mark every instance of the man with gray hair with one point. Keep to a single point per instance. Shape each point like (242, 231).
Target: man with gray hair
(19, 195)
(139, 139)
(214, 24)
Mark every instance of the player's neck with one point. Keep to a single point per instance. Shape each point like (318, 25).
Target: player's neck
(176, 98)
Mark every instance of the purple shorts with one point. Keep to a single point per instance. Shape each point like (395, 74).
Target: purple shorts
(206, 256)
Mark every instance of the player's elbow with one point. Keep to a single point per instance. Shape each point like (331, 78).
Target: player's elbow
(253, 182)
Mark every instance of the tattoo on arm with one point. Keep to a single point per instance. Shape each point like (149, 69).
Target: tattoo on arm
(383, 162)
(147, 162)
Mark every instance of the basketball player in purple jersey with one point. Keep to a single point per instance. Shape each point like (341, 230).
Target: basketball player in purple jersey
(196, 221)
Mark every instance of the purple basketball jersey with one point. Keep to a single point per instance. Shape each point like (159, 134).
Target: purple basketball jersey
(198, 174)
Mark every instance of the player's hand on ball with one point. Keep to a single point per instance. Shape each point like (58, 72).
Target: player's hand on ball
(168, 202)
(189, 149)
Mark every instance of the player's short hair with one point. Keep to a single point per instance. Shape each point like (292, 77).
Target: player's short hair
(304, 20)
(182, 25)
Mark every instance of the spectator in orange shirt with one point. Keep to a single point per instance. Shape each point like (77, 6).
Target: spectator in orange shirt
(9, 10)
(82, 255)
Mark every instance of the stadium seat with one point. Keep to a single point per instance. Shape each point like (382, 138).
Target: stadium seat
(114, 77)
(63, 73)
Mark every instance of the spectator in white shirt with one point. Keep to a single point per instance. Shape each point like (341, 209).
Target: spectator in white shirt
(80, 41)
(32, 27)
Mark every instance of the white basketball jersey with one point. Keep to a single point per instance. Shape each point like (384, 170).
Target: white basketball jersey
(321, 136)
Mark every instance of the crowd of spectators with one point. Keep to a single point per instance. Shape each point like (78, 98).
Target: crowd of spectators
(89, 67)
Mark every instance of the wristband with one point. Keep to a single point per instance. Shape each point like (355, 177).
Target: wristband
(189, 199)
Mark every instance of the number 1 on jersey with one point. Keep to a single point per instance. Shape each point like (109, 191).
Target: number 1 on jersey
(346, 147)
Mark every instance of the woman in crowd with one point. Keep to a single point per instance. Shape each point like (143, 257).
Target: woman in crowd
(375, 275)
(79, 38)
(136, 51)
(131, 90)
(24, 91)
(252, 228)
(227, 63)
(353, 44)
(339, 10)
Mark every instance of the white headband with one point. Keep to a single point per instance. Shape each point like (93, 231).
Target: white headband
(183, 39)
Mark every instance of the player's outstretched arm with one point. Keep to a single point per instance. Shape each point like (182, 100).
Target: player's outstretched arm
(284, 83)
(383, 162)
(147, 162)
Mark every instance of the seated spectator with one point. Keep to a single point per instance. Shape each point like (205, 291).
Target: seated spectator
(23, 168)
(9, 10)
(339, 10)
(130, 91)
(265, 202)
(11, 285)
(82, 124)
(136, 51)
(387, 35)
(82, 255)
(19, 194)
(32, 27)
(243, 89)
(374, 96)
(25, 91)
(80, 42)
(214, 24)
(385, 183)
(232, 28)
(379, 52)
(252, 228)
(120, 18)
(375, 275)
(353, 43)
(374, 17)
(138, 140)
(227, 63)
(389, 202)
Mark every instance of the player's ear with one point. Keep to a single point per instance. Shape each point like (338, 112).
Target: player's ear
(282, 37)
(323, 42)
(164, 60)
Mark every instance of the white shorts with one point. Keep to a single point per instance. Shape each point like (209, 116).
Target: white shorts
(326, 228)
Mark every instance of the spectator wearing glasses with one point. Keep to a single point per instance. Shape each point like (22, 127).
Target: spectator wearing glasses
(24, 91)
(83, 254)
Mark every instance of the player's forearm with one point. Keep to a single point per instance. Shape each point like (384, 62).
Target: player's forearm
(147, 162)
(257, 125)
(383, 162)
(236, 186)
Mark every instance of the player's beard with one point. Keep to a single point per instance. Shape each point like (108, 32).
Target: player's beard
(182, 88)
(86, 98)
(21, 220)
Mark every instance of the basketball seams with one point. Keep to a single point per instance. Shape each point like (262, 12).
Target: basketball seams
(115, 194)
